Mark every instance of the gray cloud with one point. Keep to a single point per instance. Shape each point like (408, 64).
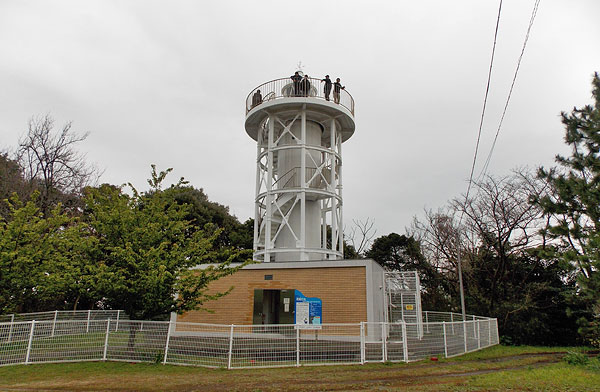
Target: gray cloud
(165, 82)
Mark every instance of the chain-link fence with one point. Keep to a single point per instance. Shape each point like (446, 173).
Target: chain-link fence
(238, 346)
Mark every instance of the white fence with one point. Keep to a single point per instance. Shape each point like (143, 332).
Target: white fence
(58, 315)
(237, 346)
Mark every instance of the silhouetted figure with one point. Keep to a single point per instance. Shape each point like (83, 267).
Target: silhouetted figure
(305, 86)
(327, 88)
(337, 88)
(256, 98)
(297, 79)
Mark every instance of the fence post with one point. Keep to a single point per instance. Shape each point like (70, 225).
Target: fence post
(117, 325)
(230, 347)
(452, 321)
(29, 343)
(297, 346)
(404, 342)
(362, 343)
(445, 340)
(401, 305)
(489, 332)
(167, 343)
(10, 331)
(54, 322)
(465, 333)
(87, 327)
(497, 338)
(427, 320)
(478, 335)
(106, 340)
(383, 343)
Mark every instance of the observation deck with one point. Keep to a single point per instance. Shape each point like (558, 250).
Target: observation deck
(282, 96)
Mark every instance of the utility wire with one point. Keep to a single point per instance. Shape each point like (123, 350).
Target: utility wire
(531, 20)
(487, 162)
(487, 90)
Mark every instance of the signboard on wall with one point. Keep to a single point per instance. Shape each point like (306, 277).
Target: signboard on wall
(308, 312)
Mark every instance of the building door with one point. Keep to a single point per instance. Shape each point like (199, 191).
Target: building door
(273, 306)
(270, 307)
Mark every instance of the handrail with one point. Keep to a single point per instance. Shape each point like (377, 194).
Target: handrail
(292, 173)
(285, 88)
(294, 181)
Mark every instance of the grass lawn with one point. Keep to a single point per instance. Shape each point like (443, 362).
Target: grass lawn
(494, 369)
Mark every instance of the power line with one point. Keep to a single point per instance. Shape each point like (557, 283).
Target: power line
(531, 20)
(486, 165)
(487, 90)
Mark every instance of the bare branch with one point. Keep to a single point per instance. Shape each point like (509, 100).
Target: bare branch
(50, 161)
(362, 234)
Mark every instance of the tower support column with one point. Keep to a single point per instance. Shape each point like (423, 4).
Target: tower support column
(298, 202)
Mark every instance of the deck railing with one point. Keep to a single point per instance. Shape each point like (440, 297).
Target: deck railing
(286, 88)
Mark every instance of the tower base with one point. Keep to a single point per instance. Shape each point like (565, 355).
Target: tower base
(348, 291)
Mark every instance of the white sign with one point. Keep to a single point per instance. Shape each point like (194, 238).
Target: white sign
(302, 313)
(302, 317)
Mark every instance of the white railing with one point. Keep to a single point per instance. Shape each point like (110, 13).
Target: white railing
(238, 346)
(61, 315)
(65, 315)
(285, 88)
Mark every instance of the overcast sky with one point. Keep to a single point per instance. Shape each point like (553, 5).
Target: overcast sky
(165, 82)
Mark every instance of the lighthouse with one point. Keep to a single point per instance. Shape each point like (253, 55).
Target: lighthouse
(299, 127)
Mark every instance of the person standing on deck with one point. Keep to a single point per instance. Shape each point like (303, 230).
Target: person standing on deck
(337, 88)
(327, 88)
(296, 79)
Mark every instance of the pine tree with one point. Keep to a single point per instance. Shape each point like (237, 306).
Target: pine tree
(574, 203)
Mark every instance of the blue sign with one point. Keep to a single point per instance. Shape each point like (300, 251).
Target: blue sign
(308, 310)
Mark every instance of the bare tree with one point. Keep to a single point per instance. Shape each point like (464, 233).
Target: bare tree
(50, 161)
(437, 234)
(498, 214)
(361, 235)
(501, 213)
(497, 221)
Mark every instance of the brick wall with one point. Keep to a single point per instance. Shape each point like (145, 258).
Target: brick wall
(341, 289)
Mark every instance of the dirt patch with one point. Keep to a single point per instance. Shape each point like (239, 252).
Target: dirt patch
(429, 375)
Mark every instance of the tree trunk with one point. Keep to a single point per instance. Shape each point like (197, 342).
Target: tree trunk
(131, 341)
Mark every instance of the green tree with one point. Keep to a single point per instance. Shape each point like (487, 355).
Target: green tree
(203, 211)
(574, 204)
(147, 249)
(396, 252)
(349, 252)
(529, 298)
(40, 255)
(11, 182)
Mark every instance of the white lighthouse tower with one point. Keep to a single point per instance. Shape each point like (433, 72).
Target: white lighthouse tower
(299, 133)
